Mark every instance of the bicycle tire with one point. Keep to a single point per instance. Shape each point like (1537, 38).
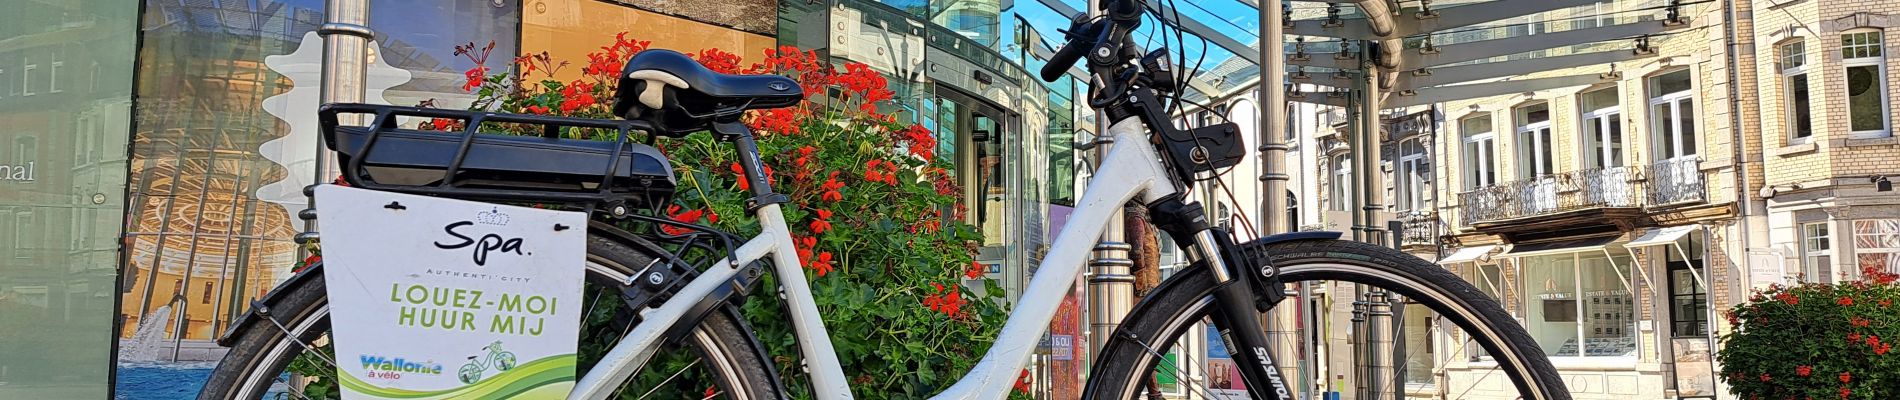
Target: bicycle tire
(1172, 309)
(262, 351)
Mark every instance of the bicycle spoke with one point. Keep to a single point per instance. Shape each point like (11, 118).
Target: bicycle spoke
(676, 374)
(1170, 365)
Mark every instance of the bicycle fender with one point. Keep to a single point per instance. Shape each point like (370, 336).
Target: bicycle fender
(250, 315)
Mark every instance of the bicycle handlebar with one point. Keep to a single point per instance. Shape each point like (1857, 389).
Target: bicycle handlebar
(1086, 33)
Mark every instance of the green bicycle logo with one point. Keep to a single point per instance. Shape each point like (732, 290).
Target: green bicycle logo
(501, 360)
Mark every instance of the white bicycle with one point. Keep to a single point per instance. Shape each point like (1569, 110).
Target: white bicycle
(688, 310)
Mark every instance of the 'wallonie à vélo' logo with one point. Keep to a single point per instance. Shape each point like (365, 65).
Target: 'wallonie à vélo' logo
(488, 242)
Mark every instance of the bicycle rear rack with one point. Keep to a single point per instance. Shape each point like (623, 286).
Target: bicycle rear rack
(472, 164)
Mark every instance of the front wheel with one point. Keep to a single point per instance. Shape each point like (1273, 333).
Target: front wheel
(504, 361)
(1132, 361)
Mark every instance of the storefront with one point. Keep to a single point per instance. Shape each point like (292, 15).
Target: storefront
(1620, 314)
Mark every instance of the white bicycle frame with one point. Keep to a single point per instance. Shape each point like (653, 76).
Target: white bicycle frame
(1132, 167)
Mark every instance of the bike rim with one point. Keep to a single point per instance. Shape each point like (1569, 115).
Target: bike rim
(258, 384)
(1441, 303)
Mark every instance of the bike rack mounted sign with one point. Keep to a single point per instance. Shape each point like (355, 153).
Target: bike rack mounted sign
(435, 298)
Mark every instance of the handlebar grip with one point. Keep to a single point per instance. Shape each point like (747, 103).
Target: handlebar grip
(1064, 58)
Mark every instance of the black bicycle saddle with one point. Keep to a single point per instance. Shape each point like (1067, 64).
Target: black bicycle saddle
(680, 96)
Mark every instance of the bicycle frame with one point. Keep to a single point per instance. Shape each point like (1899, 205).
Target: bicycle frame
(1133, 167)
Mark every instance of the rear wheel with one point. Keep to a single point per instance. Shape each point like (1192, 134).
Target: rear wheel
(1136, 355)
(290, 357)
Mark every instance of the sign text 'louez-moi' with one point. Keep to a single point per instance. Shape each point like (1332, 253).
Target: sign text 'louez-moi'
(438, 298)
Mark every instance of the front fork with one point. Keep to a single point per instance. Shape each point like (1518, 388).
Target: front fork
(1239, 299)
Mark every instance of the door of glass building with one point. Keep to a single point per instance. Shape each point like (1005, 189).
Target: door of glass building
(973, 133)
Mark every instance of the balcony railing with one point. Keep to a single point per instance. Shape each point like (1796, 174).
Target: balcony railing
(1676, 180)
(1420, 228)
(1668, 182)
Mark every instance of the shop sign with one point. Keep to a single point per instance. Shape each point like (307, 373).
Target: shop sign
(435, 298)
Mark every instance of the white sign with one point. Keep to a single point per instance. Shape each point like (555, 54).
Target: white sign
(435, 298)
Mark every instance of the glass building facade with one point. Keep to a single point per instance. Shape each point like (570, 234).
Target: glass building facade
(65, 103)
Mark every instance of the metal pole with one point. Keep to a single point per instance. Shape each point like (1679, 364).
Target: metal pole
(1111, 287)
(346, 37)
(1284, 339)
(1370, 178)
(1359, 353)
(1379, 379)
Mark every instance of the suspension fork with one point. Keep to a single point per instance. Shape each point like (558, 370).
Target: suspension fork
(1239, 298)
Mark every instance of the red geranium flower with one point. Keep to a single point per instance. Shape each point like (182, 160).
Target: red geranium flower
(685, 217)
(822, 263)
(1803, 370)
(475, 76)
(1845, 301)
(975, 271)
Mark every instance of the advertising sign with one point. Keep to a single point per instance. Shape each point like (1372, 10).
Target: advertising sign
(434, 298)
(1223, 374)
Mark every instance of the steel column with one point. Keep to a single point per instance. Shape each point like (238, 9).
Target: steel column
(346, 37)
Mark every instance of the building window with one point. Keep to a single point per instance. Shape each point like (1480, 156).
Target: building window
(1340, 198)
(1479, 151)
(1866, 83)
(1672, 115)
(1877, 244)
(1413, 176)
(1688, 299)
(1292, 211)
(1816, 260)
(22, 239)
(1793, 63)
(205, 297)
(26, 79)
(1534, 156)
(52, 74)
(1489, 280)
(1577, 304)
(1602, 128)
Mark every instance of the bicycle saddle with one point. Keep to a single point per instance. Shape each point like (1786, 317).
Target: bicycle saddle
(680, 96)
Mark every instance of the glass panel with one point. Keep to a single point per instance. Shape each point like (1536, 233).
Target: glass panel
(1476, 125)
(977, 20)
(1616, 140)
(1532, 114)
(1664, 125)
(1798, 112)
(1669, 83)
(209, 205)
(426, 46)
(1489, 150)
(1864, 109)
(1609, 312)
(1599, 99)
(1550, 283)
(1420, 355)
(62, 182)
(1793, 55)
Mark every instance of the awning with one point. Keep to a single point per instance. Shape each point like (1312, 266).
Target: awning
(1662, 236)
(1467, 254)
(1559, 246)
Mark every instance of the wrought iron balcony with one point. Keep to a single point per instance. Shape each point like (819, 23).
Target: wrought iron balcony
(1665, 183)
(1673, 181)
(1420, 228)
(1551, 194)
